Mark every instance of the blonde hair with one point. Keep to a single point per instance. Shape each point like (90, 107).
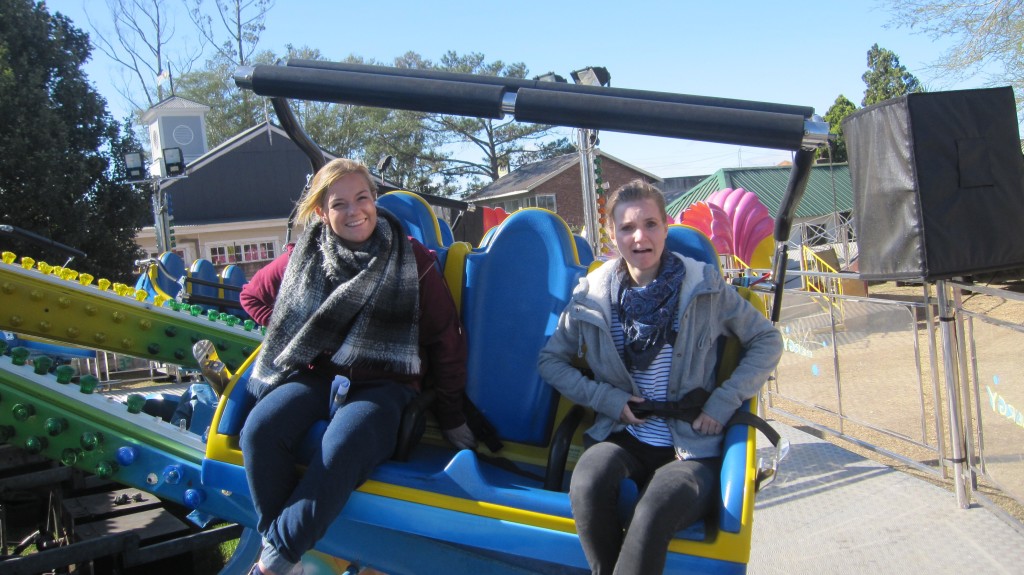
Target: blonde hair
(324, 178)
(635, 191)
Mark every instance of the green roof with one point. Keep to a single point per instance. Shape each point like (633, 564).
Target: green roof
(769, 183)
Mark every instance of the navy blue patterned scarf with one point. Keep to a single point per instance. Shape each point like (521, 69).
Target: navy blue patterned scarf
(647, 312)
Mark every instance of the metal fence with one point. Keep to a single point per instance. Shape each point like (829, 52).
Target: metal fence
(933, 381)
(992, 383)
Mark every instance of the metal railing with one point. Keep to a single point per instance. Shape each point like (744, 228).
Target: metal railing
(943, 394)
(826, 282)
(992, 386)
(860, 375)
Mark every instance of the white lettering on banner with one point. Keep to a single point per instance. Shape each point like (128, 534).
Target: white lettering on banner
(999, 405)
(794, 347)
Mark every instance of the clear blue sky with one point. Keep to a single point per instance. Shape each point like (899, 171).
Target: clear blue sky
(796, 52)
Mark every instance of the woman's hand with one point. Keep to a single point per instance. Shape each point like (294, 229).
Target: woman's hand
(706, 425)
(627, 416)
(461, 437)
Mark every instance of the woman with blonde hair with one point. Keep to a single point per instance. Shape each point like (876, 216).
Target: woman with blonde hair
(355, 298)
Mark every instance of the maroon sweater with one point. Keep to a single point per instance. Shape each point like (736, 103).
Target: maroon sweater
(442, 342)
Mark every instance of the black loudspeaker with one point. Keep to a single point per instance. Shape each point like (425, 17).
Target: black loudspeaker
(938, 182)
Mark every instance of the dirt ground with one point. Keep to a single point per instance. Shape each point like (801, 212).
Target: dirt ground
(880, 386)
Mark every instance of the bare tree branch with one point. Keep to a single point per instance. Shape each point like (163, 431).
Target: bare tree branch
(242, 20)
(985, 32)
(143, 30)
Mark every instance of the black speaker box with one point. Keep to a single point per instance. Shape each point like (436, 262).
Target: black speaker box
(938, 181)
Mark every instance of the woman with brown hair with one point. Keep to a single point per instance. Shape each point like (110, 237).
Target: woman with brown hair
(648, 325)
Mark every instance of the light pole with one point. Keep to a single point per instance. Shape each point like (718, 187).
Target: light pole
(172, 168)
(587, 141)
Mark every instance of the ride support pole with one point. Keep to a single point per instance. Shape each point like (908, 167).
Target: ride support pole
(952, 375)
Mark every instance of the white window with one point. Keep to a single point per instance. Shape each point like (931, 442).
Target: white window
(258, 251)
(225, 254)
(546, 201)
(242, 252)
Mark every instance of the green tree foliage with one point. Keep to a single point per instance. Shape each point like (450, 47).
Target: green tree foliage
(231, 110)
(837, 112)
(496, 144)
(367, 133)
(60, 149)
(984, 32)
(235, 42)
(429, 150)
(886, 78)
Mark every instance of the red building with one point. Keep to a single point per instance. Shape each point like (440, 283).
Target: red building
(555, 184)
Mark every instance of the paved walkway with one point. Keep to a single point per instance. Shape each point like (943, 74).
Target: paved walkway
(833, 511)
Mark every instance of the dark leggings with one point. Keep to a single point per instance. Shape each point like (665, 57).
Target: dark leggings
(295, 511)
(673, 494)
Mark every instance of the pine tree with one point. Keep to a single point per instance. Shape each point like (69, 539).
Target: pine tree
(886, 78)
(60, 147)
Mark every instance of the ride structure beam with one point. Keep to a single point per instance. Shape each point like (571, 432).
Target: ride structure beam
(738, 122)
(683, 116)
(513, 84)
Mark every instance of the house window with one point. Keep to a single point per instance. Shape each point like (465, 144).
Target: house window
(257, 252)
(509, 205)
(226, 254)
(546, 201)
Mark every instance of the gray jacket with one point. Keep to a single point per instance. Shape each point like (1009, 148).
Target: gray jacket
(708, 308)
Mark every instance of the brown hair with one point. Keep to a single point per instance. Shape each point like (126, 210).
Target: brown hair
(635, 191)
(324, 178)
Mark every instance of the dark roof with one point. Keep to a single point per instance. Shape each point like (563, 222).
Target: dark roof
(257, 175)
(526, 178)
(769, 183)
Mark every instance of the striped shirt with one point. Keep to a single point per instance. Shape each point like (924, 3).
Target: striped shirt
(653, 384)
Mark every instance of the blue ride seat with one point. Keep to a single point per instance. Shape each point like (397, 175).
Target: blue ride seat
(510, 293)
(515, 287)
(233, 276)
(692, 243)
(487, 237)
(447, 235)
(163, 279)
(203, 270)
(418, 219)
(586, 253)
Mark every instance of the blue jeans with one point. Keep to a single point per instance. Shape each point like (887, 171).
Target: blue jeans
(294, 510)
(673, 494)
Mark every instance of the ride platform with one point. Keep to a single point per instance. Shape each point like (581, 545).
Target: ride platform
(833, 511)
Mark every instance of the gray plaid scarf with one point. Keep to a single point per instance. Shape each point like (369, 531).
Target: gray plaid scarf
(362, 304)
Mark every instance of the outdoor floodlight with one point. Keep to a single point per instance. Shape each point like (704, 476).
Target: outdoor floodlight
(550, 77)
(592, 76)
(173, 162)
(133, 165)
